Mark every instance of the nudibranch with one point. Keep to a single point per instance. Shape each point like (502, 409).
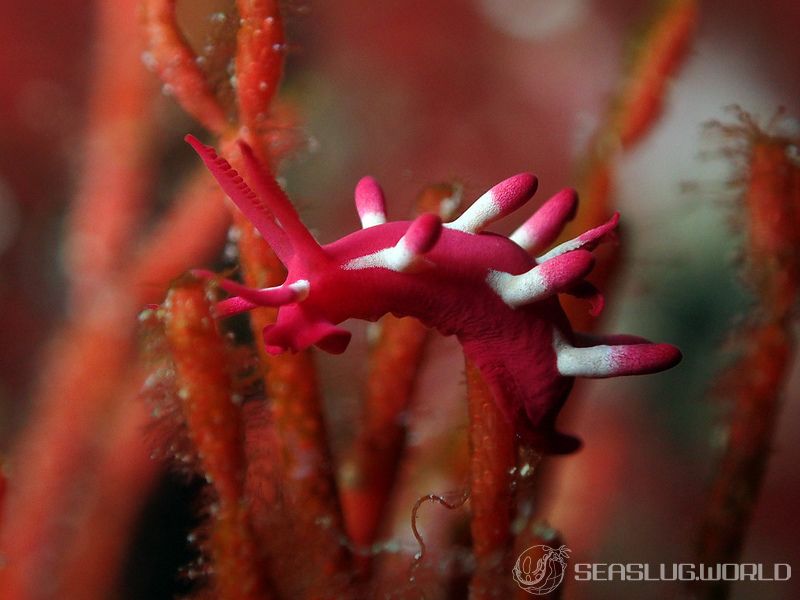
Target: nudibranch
(492, 292)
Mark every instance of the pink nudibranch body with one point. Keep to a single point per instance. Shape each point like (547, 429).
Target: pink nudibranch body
(488, 290)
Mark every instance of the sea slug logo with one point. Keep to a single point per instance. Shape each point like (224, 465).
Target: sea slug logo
(540, 569)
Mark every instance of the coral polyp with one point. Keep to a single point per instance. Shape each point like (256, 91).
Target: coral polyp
(490, 291)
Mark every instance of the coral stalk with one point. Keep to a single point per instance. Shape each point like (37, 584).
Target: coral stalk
(260, 50)
(91, 567)
(213, 420)
(176, 64)
(113, 190)
(755, 381)
(305, 472)
(78, 386)
(368, 473)
(191, 232)
(492, 460)
(656, 57)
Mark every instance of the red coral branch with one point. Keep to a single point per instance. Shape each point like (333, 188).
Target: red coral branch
(176, 65)
(656, 57)
(305, 467)
(213, 420)
(259, 59)
(369, 473)
(492, 460)
(190, 233)
(755, 381)
(114, 188)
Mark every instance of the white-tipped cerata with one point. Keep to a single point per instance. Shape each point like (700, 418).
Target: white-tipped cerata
(613, 360)
(370, 202)
(406, 255)
(504, 198)
(543, 280)
(544, 226)
(586, 241)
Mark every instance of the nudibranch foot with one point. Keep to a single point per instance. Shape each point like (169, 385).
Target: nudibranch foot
(488, 290)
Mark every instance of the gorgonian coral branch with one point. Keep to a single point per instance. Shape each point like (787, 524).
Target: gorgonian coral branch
(368, 473)
(655, 58)
(755, 381)
(112, 198)
(260, 50)
(492, 459)
(176, 64)
(214, 427)
(499, 301)
(304, 474)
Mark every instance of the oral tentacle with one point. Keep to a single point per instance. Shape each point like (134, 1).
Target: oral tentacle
(273, 296)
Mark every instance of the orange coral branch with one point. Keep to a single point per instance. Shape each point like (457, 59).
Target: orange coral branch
(123, 477)
(755, 381)
(259, 59)
(657, 58)
(189, 234)
(78, 386)
(492, 461)
(176, 65)
(368, 476)
(213, 421)
(306, 476)
(113, 189)
(369, 472)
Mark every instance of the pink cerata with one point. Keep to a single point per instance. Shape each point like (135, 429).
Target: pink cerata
(493, 293)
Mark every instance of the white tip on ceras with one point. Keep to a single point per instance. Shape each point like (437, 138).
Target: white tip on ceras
(588, 240)
(407, 254)
(542, 281)
(624, 355)
(370, 202)
(504, 198)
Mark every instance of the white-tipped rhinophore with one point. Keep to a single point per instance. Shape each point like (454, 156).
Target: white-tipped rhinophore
(613, 360)
(370, 202)
(543, 227)
(407, 254)
(504, 198)
(542, 281)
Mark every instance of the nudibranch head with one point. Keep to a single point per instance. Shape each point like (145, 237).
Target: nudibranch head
(492, 292)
